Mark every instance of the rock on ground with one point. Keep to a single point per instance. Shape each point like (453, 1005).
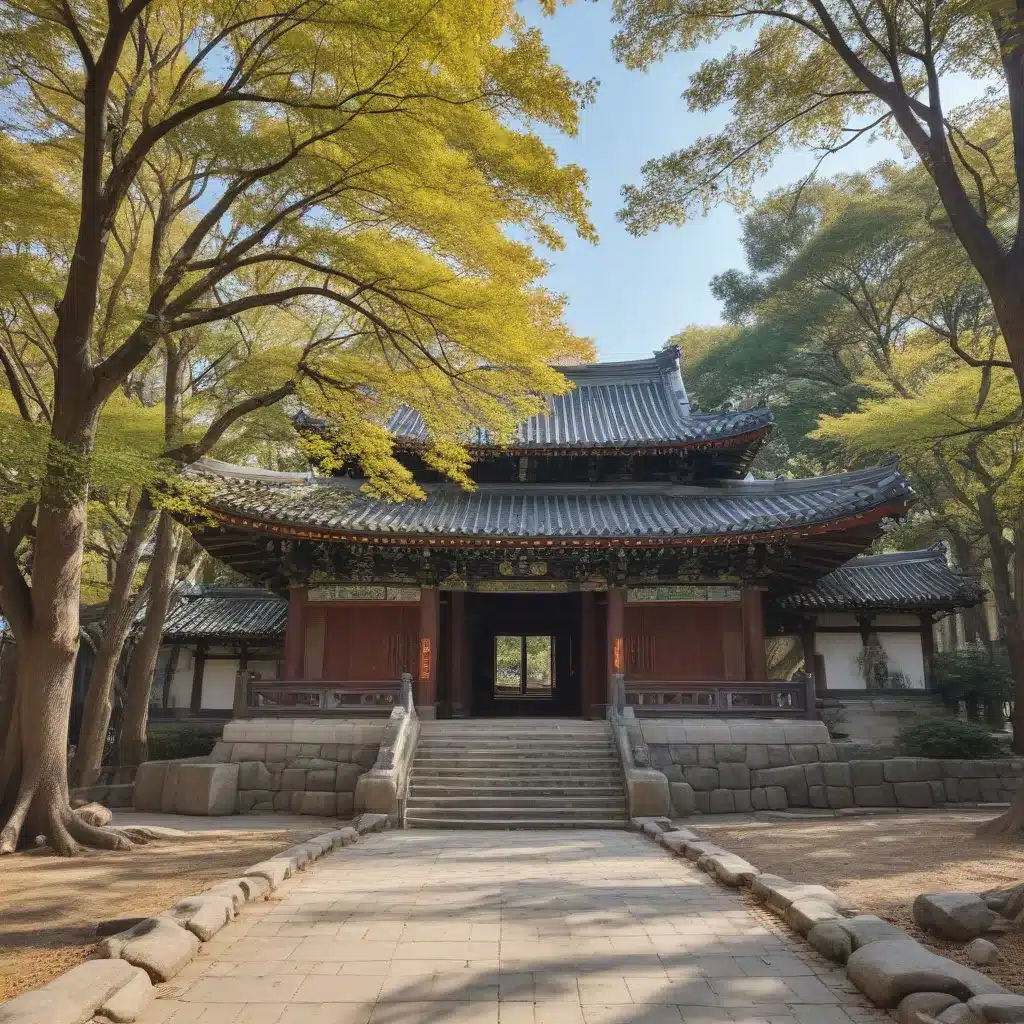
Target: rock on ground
(159, 945)
(921, 1007)
(203, 915)
(95, 814)
(128, 1002)
(803, 915)
(831, 940)
(981, 951)
(953, 915)
(1002, 1007)
(71, 998)
(888, 970)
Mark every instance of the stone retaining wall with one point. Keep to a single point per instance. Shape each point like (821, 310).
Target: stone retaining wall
(299, 765)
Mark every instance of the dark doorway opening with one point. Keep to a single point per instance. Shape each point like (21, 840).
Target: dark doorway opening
(525, 654)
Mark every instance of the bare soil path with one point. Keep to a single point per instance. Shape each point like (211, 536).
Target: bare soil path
(49, 906)
(882, 862)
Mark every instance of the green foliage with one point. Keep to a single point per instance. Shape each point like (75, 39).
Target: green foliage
(948, 737)
(975, 674)
(169, 744)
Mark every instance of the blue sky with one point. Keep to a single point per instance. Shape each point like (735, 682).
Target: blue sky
(629, 294)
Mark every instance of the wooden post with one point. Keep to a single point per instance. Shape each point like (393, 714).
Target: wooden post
(295, 633)
(753, 634)
(461, 695)
(928, 649)
(616, 639)
(590, 656)
(807, 637)
(426, 675)
(198, 668)
(240, 705)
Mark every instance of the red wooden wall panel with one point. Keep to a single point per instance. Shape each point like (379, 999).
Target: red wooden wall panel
(369, 641)
(691, 641)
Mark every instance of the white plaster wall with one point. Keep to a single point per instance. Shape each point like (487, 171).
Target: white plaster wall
(219, 684)
(840, 652)
(264, 669)
(181, 684)
(905, 655)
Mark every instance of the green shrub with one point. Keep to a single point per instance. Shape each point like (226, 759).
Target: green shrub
(979, 677)
(170, 744)
(949, 737)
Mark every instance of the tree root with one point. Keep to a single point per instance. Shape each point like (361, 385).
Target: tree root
(1008, 823)
(100, 836)
(16, 819)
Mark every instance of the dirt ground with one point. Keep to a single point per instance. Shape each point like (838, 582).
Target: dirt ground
(49, 906)
(881, 863)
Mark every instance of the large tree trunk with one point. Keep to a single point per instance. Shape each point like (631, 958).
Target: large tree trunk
(33, 770)
(117, 622)
(142, 667)
(974, 619)
(1007, 611)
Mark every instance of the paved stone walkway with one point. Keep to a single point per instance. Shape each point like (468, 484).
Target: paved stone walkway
(512, 927)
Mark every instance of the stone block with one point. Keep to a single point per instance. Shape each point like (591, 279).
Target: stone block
(701, 778)
(778, 755)
(681, 794)
(998, 1008)
(722, 801)
(731, 870)
(274, 871)
(730, 752)
(776, 797)
(321, 781)
(827, 752)
(159, 945)
(733, 775)
(293, 780)
(960, 916)
(203, 915)
(804, 753)
(922, 1007)
(129, 1002)
(706, 755)
(757, 755)
(867, 773)
(814, 774)
(683, 753)
(967, 790)
(913, 794)
(648, 792)
(892, 969)
(837, 773)
(365, 756)
(221, 751)
(938, 789)
(912, 769)
(803, 915)
(253, 775)
(206, 789)
(276, 751)
(71, 998)
(672, 772)
(346, 804)
(295, 801)
(346, 777)
(818, 796)
(149, 786)
(741, 797)
(831, 940)
(874, 796)
(780, 894)
(282, 801)
(759, 798)
(249, 752)
(790, 778)
(839, 796)
(702, 799)
(991, 790)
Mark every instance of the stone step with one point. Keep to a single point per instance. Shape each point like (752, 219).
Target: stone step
(540, 784)
(498, 821)
(513, 812)
(499, 760)
(528, 801)
(578, 749)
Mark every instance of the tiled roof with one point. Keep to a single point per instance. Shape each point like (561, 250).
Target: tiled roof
(226, 613)
(641, 403)
(655, 510)
(916, 580)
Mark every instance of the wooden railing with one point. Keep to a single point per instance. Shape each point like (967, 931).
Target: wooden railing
(319, 698)
(769, 699)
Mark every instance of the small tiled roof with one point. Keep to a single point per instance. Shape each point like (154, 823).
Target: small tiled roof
(228, 613)
(637, 404)
(912, 580)
(261, 498)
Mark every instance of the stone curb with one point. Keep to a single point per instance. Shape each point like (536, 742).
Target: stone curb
(118, 986)
(882, 961)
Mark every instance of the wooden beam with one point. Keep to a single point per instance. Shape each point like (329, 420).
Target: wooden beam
(928, 649)
(753, 633)
(198, 668)
(430, 628)
(295, 633)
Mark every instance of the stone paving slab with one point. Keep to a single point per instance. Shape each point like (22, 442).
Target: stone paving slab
(581, 927)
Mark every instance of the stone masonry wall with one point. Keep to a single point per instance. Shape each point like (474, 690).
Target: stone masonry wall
(720, 778)
(305, 770)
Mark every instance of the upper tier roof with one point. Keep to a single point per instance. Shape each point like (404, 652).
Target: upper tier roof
(632, 405)
(333, 508)
(902, 580)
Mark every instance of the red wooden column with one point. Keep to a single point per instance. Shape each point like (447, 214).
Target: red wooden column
(753, 633)
(295, 633)
(616, 638)
(460, 656)
(426, 674)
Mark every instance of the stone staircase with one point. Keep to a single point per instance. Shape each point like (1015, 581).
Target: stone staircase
(516, 773)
